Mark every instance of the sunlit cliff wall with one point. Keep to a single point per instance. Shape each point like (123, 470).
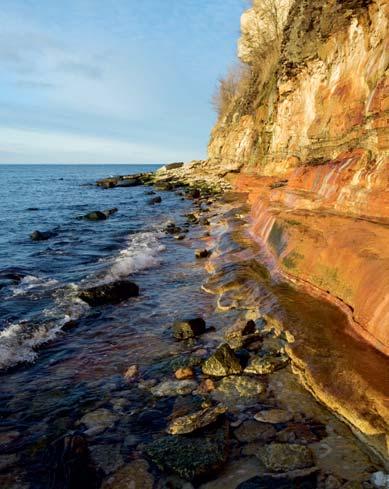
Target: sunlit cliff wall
(309, 141)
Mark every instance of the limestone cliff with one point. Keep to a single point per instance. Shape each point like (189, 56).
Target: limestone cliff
(309, 134)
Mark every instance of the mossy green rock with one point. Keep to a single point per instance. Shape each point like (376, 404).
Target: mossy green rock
(191, 457)
(222, 363)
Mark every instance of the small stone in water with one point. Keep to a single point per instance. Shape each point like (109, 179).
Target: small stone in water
(131, 372)
(135, 475)
(202, 253)
(380, 479)
(273, 416)
(283, 457)
(192, 422)
(184, 373)
(172, 388)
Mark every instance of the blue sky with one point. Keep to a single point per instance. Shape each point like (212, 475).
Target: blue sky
(121, 81)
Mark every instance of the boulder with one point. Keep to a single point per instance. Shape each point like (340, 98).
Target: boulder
(195, 421)
(110, 293)
(191, 457)
(222, 363)
(284, 457)
(239, 389)
(155, 200)
(95, 216)
(188, 328)
(41, 235)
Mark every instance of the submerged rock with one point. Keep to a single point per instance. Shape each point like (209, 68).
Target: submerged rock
(98, 421)
(192, 422)
(283, 457)
(110, 293)
(250, 431)
(273, 416)
(188, 328)
(107, 457)
(134, 475)
(110, 212)
(155, 200)
(222, 363)
(95, 216)
(171, 388)
(191, 457)
(42, 235)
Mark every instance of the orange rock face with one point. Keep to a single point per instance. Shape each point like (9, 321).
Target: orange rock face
(315, 159)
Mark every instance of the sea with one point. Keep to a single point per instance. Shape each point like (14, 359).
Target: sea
(52, 374)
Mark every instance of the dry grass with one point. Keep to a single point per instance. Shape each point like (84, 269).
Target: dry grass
(242, 89)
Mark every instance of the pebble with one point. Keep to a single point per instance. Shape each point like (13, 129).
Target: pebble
(172, 388)
(380, 479)
(184, 373)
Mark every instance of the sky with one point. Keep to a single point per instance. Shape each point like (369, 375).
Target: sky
(111, 81)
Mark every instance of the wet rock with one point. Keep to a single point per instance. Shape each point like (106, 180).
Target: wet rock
(110, 212)
(191, 457)
(71, 464)
(32, 209)
(194, 193)
(134, 475)
(131, 372)
(266, 364)
(128, 182)
(203, 253)
(42, 235)
(149, 192)
(155, 200)
(172, 228)
(239, 388)
(6, 438)
(188, 328)
(112, 293)
(273, 416)
(195, 421)
(179, 237)
(171, 388)
(266, 482)
(251, 430)
(106, 457)
(192, 218)
(332, 483)
(98, 421)
(184, 373)
(282, 457)
(95, 216)
(222, 363)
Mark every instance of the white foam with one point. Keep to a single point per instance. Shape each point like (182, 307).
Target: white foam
(29, 283)
(142, 252)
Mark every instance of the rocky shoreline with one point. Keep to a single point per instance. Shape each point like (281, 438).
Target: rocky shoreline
(238, 415)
